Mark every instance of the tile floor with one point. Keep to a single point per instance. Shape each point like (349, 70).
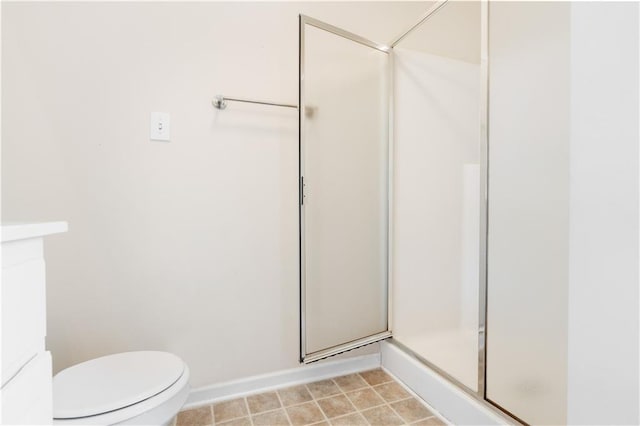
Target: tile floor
(368, 398)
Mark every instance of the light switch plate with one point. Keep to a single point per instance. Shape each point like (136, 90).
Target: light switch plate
(160, 129)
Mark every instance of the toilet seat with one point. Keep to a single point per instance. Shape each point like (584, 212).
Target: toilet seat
(118, 388)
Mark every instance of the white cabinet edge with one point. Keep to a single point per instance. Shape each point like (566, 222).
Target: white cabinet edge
(23, 231)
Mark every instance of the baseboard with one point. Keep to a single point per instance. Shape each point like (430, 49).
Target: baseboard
(280, 379)
(450, 401)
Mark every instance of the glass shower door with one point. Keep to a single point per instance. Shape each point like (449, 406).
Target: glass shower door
(528, 268)
(439, 192)
(344, 190)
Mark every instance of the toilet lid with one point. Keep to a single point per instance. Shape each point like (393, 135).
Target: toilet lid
(113, 382)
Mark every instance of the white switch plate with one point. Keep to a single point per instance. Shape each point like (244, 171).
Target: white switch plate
(160, 126)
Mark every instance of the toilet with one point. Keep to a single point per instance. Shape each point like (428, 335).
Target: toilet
(143, 388)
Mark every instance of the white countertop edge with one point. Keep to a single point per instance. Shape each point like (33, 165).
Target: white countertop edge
(22, 231)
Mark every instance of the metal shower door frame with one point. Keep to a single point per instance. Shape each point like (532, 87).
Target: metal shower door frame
(347, 346)
(480, 393)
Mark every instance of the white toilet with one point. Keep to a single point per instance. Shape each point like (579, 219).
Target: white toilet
(143, 388)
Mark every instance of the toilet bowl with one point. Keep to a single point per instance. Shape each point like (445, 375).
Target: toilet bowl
(143, 388)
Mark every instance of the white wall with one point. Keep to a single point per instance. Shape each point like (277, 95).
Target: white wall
(603, 231)
(189, 246)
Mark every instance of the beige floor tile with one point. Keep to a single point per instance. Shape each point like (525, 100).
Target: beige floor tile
(263, 402)
(272, 418)
(365, 398)
(431, 421)
(350, 382)
(376, 377)
(336, 406)
(200, 416)
(323, 388)
(228, 410)
(364, 401)
(392, 391)
(242, 421)
(411, 410)
(294, 395)
(305, 414)
(382, 416)
(353, 419)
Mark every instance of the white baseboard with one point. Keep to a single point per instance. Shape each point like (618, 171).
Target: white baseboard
(280, 379)
(455, 405)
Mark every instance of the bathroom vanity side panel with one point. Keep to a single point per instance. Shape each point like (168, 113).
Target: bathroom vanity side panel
(23, 304)
(26, 391)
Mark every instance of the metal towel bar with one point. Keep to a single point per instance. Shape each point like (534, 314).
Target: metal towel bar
(220, 102)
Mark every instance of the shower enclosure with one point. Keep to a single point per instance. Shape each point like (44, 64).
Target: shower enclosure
(408, 221)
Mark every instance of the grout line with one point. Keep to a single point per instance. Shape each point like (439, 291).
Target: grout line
(283, 408)
(350, 414)
(367, 386)
(347, 397)
(389, 404)
(364, 409)
(233, 418)
(261, 412)
(426, 418)
(318, 405)
(246, 404)
(322, 412)
(434, 413)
